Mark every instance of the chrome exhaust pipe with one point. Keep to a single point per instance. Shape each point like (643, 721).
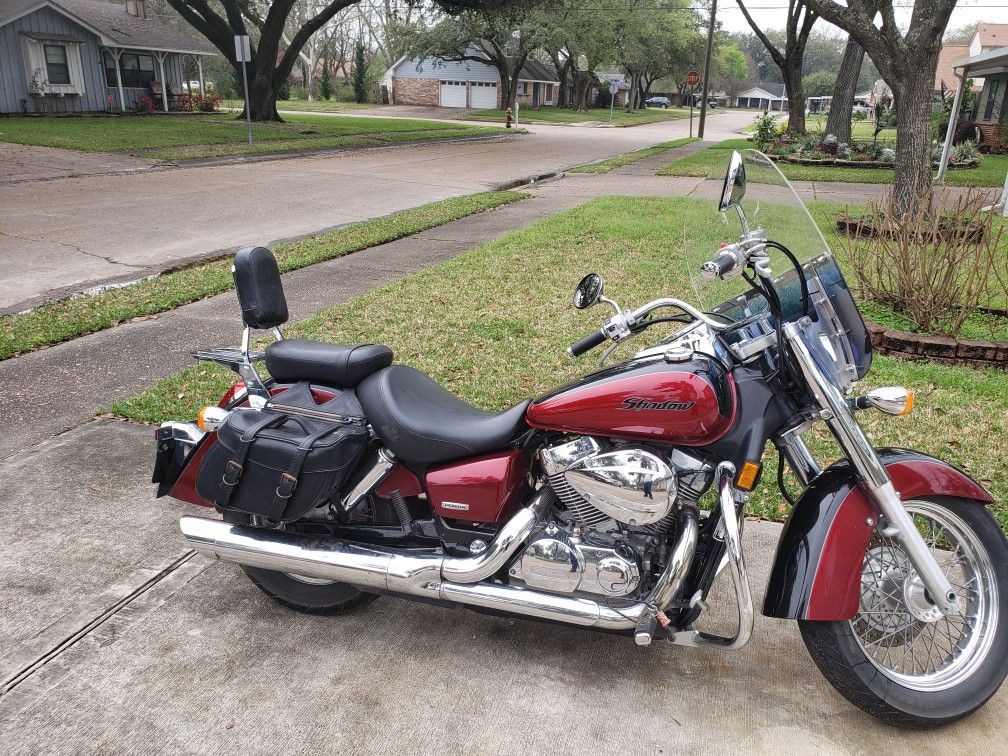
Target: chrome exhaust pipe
(435, 577)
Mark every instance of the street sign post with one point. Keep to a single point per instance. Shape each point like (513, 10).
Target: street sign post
(692, 79)
(243, 55)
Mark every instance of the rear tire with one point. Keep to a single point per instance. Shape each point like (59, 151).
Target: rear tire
(912, 672)
(304, 594)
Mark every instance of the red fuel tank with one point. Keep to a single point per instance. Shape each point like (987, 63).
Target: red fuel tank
(689, 403)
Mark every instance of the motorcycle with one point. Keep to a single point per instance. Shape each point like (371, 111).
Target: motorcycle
(583, 506)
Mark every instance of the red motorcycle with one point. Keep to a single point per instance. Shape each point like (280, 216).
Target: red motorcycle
(344, 476)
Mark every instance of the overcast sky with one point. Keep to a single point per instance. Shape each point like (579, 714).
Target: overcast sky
(771, 14)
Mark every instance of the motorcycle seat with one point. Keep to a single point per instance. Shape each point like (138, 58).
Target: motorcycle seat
(337, 365)
(421, 422)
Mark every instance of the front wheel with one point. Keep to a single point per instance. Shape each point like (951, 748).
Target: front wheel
(900, 658)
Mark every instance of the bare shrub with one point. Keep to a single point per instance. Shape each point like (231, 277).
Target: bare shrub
(936, 267)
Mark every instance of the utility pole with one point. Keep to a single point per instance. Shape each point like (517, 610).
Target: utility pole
(706, 69)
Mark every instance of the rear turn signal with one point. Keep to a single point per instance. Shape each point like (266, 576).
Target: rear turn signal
(210, 418)
(747, 476)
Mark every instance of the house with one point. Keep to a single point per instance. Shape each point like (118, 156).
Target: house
(466, 83)
(987, 37)
(763, 96)
(945, 81)
(63, 56)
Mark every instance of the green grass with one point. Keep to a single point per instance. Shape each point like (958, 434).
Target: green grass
(990, 173)
(179, 137)
(498, 319)
(69, 318)
(551, 114)
(315, 106)
(604, 166)
(863, 130)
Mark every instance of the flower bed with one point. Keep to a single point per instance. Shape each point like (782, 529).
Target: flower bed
(824, 159)
(944, 349)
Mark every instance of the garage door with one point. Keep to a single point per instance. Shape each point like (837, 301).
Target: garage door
(483, 94)
(453, 94)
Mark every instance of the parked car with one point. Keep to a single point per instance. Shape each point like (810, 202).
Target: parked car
(657, 102)
(712, 103)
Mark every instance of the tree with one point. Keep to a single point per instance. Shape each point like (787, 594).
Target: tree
(325, 86)
(818, 84)
(731, 69)
(907, 62)
(267, 24)
(502, 35)
(800, 19)
(838, 122)
(360, 73)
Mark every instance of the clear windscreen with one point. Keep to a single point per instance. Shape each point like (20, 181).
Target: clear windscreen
(770, 204)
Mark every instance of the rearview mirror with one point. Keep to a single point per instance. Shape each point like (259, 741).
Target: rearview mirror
(588, 292)
(734, 183)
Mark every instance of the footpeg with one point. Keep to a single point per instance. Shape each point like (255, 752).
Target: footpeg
(647, 625)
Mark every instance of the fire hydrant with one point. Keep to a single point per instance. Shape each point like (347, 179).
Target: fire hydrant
(507, 123)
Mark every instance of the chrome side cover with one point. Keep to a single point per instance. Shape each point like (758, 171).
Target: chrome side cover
(633, 486)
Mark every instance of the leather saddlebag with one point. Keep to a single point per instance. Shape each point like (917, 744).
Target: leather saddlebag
(287, 458)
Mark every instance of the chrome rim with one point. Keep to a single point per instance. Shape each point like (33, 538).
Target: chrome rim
(898, 628)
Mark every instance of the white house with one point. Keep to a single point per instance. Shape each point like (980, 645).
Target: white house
(466, 84)
(763, 96)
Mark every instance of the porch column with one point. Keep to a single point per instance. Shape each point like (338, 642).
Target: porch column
(164, 82)
(202, 86)
(950, 131)
(116, 54)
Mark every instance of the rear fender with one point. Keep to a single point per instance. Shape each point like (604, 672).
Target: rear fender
(816, 573)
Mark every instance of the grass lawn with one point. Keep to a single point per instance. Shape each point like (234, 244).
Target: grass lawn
(178, 137)
(604, 166)
(69, 318)
(497, 320)
(817, 122)
(713, 159)
(314, 106)
(620, 117)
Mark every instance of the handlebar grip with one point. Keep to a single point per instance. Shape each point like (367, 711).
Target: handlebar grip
(588, 343)
(723, 262)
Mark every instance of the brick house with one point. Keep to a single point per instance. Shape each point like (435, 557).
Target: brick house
(466, 84)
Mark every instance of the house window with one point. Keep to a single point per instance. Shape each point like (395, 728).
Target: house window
(991, 99)
(57, 64)
(137, 70)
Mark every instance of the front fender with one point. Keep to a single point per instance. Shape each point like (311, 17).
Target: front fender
(816, 573)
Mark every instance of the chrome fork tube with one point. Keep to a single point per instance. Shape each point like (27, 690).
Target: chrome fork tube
(797, 453)
(873, 474)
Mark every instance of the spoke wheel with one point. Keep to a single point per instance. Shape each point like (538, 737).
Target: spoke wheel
(900, 630)
(899, 658)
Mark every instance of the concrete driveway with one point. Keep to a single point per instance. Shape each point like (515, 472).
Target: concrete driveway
(116, 640)
(64, 233)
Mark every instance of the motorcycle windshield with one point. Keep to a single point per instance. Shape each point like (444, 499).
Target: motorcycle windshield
(765, 202)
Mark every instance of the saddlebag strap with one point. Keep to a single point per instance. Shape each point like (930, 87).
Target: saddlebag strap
(289, 480)
(236, 465)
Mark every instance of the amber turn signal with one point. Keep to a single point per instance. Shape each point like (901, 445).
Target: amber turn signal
(893, 400)
(210, 418)
(747, 477)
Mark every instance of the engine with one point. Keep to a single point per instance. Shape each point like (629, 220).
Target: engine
(620, 502)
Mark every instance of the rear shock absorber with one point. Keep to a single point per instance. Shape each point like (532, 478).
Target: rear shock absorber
(401, 510)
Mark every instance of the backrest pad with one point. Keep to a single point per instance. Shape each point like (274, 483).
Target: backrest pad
(260, 292)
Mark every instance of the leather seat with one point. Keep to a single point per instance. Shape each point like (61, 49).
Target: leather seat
(423, 423)
(335, 365)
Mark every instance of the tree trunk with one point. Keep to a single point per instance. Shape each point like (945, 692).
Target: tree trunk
(796, 97)
(838, 123)
(912, 95)
(262, 98)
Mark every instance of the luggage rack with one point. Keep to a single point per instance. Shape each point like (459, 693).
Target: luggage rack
(241, 360)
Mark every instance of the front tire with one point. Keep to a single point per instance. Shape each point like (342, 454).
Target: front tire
(900, 660)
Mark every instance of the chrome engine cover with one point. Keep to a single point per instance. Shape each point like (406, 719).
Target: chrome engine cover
(633, 486)
(557, 561)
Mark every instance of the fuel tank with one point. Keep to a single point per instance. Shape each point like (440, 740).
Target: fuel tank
(690, 403)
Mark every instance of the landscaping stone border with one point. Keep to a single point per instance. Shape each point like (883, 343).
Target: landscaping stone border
(943, 349)
(841, 163)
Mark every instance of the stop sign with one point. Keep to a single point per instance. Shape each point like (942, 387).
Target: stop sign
(692, 78)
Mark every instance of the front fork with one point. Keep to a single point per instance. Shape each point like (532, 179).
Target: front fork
(876, 482)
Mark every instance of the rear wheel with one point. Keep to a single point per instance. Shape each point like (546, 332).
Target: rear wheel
(302, 593)
(900, 658)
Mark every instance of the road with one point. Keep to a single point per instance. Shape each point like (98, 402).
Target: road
(62, 233)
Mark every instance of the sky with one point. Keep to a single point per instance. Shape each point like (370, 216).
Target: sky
(772, 14)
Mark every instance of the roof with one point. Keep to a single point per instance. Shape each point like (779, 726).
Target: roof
(533, 70)
(113, 25)
(985, 64)
(778, 90)
(993, 35)
(945, 73)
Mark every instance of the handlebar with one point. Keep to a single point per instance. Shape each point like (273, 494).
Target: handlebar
(724, 262)
(586, 344)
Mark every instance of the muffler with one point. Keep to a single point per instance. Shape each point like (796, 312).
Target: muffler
(431, 576)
